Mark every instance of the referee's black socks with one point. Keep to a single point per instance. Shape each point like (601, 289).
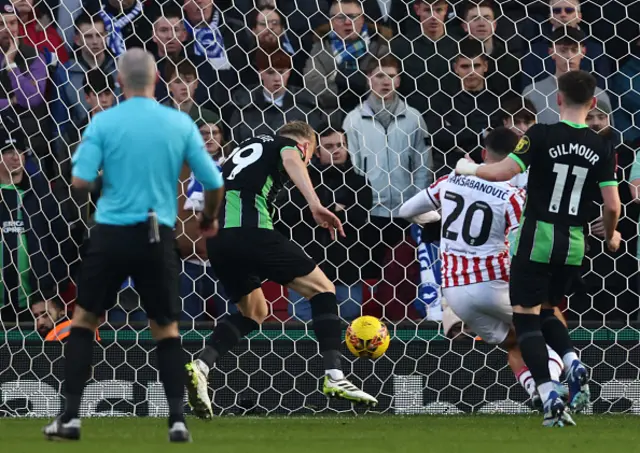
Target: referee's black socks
(77, 369)
(173, 375)
(328, 328)
(533, 347)
(225, 336)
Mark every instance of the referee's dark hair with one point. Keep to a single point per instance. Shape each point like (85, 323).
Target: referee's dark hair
(577, 88)
(501, 142)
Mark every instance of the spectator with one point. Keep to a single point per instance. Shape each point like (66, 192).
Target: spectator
(198, 283)
(23, 81)
(47, 313)
(51, 319)
(567, 50)
(459, 117)
(388, 145)
(125, 23)
(169, 35)
(564, 14)
(425, 54)
(77, 207)
(40, 33)
(626, 85)
(517, 114)
(212, 132)
(34, 234)
(183, 83)
(346, 193)
(71, 108)
(334, 72)
(213, 48)
(618, 301)
(267, 107)
(389, 13)
(268, 31)
(504, 67)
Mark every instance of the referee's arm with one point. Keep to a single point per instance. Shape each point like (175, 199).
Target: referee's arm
(206, 172)
(87, 160)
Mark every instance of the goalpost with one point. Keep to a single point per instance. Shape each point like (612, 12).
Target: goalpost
(276, 370)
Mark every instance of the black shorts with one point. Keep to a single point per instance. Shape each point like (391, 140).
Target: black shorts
(117, 252)
(532, 284)
(242, 258)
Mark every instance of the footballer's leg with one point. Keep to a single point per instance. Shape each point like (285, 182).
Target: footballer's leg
(529, 287)
(327, 326)
(230, 330)
(557, 336)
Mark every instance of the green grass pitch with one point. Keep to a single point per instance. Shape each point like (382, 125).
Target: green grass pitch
(344, 434)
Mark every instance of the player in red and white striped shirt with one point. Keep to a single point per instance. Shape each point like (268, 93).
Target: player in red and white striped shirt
(477, 217)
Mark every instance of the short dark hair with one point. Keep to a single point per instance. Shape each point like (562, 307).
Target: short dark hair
(272, 57)
(567, 36)
(85, 19)
(471, 48)
(475, 4)
(578, 87)
(501, 141)
(518, 108)
(185, 68)
(347, 2)
(97, 82)
(170, 10)
(388, 61)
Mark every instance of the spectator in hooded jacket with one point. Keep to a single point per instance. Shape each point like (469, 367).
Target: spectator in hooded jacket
(347, 194)
(267, 107)
(388, 145)
(334, 72)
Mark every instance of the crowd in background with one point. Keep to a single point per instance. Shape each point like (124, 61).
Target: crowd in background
(398, 91)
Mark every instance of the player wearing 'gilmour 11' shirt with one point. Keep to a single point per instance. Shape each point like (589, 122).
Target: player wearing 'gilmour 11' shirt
(568, 165)
(477, 217)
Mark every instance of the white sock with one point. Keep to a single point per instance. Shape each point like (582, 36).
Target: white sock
(334, 374)
(555, 365)
(568, 359)
(203, 367)
(526, 380)
(545, 389)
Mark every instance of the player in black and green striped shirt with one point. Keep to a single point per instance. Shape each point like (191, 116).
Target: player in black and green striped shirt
(247, 250)
(568, 165)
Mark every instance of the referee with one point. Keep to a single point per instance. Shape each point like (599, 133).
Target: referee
(140, 146)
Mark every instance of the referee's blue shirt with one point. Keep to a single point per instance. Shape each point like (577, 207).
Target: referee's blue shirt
(141, 146)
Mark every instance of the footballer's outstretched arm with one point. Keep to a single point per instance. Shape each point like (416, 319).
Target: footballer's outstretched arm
(297, 171)
(500, 171)
(420, 203)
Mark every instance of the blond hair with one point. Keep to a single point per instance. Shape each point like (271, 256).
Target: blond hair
(297, 129)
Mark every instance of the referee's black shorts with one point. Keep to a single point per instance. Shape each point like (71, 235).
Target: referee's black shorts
(117, 252)
(243, 257)
(532, 284)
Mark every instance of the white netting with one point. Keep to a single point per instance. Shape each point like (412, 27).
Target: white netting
(242, 69)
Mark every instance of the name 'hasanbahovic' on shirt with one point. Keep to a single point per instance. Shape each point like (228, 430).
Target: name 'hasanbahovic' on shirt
(574, 148)
(475, 184)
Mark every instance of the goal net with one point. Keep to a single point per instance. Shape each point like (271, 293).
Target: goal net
(398, 91)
